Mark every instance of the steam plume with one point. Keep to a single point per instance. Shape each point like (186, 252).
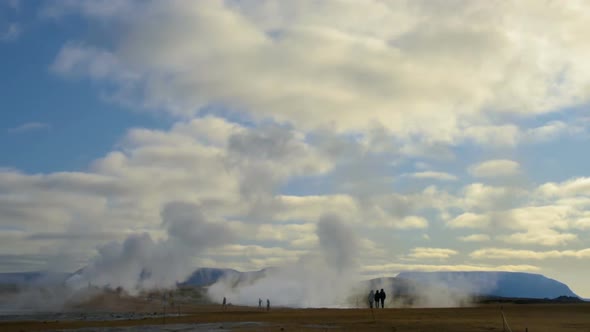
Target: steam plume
(140, 262)
(325, 278)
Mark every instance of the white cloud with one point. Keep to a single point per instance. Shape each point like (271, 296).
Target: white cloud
(481, 197)
(410, 222)
(539, 217)
(245, 51)
(29, 126)
(498, 253)
(495, 168)
(549, 131)
(288, 232)
(390, 268)
(569, 188)
(469, 220)
(310, 208)
(499, 135)
(427, 253)
(582, 223)
(475, 238)
(545, 237)
(76, 59)
(126, 189)
(442, 176)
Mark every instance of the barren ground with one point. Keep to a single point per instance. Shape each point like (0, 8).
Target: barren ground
(537, 318)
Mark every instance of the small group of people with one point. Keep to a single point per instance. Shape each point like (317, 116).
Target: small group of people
(376, 297)
(267, 304)
(224, 304)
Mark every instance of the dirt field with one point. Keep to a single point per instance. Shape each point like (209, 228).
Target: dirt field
(537, 318)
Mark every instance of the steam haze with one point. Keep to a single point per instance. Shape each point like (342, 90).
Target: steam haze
(326, 277)
(142, 263)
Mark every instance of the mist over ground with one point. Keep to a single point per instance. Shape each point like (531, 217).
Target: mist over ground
(328, 276)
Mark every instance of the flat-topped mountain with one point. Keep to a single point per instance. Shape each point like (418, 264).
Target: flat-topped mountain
(500, 284)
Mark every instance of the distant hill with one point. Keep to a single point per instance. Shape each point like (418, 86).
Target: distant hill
(29, 278)
(493, 284)
(208, 276)
(19, 278)
(499, 284)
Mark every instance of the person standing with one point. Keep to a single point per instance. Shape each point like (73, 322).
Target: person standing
(259, 303)
(267, 305)
(382, 298)
(224, 302)
(371, 298)
(377, 297)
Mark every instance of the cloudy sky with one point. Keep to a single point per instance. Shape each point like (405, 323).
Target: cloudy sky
(450, 135)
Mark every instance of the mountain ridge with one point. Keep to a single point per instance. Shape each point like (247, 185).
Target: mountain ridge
(476, 283)
(495, 283)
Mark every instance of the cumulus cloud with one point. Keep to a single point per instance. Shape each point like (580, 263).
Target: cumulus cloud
(248, 54)
(499, 253)
(469, 220)
(569, 188)
(475, 238)
(495, 168)
(546, 237)
(485, 198)
(411, 222)
(550, 131)
(390, 268)
(437, 253)
(433, 175)
(125, 189)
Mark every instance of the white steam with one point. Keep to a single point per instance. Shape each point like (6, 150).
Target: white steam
(140, 262)
(326, 278)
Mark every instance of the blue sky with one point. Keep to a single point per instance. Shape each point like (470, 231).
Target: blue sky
(445, 143)
(77, 125)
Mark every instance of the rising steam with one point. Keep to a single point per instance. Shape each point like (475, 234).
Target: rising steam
(325, 278)
(140, 262)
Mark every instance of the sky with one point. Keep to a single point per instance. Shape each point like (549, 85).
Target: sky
(448, 135)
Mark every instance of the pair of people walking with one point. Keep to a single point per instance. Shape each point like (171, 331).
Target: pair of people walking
(377, 297)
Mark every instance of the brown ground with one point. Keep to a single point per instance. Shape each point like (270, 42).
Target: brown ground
(537, 318)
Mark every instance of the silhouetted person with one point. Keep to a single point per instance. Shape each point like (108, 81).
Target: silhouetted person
(267, 305)
(259, 303)
(224, 302)
(382, 297)
(371, 298)
(377, 297)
